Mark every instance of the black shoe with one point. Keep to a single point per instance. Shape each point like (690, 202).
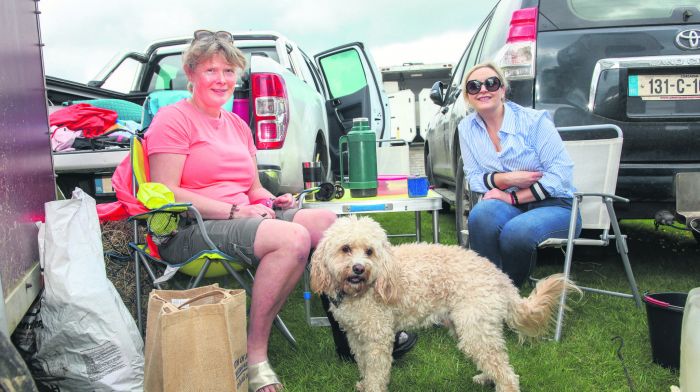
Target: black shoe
(404, 343)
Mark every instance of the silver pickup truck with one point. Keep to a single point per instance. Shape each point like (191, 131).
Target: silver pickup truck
(315, 102)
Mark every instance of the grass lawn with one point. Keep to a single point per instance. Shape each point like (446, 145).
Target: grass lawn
(585, 359)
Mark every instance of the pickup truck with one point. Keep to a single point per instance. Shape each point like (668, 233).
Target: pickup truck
(315, 102)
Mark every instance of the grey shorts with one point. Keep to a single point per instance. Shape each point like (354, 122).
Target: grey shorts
(230, 236)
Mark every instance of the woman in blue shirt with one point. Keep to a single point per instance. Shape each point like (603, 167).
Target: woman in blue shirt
(516, 158)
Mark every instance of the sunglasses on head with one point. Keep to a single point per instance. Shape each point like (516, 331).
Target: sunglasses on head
(492, 84)
(205, 34)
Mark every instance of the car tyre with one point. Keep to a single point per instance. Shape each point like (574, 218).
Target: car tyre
(462, 205)
(320, 155)
(428, 165)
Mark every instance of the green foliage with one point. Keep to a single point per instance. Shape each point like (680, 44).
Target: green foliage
(585, 359)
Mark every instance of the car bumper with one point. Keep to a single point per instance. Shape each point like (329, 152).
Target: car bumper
(88, 161)
(650, 187)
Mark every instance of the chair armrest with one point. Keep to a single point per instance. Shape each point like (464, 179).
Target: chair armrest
(200, 223)
(172, 207)
(603, 195)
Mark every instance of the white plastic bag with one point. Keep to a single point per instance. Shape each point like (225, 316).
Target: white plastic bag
(89, 339)
(690, 343)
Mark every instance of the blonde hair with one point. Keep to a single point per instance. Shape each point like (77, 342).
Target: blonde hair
(493, 66)
(203, 49)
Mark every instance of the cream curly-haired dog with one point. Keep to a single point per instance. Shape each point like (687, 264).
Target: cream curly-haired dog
(377, 289)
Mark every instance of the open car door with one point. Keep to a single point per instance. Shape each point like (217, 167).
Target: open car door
(355, 89)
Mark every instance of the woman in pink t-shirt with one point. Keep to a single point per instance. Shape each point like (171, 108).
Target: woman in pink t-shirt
(206, 156)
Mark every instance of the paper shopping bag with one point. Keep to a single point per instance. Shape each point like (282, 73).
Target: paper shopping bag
(196, 340)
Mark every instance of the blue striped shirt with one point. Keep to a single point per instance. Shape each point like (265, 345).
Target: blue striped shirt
(529, 141)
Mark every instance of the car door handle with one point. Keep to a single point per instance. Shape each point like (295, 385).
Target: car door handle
(339, 116)
(445, 109)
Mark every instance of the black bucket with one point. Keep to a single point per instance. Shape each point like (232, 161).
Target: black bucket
(665, 318)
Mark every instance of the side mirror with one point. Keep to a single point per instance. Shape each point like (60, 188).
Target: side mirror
(436, 93)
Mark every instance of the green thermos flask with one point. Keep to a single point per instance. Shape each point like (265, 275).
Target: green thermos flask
(361, 146)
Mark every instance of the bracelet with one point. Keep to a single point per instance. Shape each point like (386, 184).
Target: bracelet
(514, 198)
(234, 209)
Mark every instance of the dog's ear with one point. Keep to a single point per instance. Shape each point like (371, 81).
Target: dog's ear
(321, 279)
(386, 287)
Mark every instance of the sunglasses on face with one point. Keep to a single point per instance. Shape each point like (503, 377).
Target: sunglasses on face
(205, 34)
(492, 84)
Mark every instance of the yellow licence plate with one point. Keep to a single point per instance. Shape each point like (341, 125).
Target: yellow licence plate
(665, 87)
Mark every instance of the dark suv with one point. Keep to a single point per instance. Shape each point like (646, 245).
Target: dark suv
(633, 63)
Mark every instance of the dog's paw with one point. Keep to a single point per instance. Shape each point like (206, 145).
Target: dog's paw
(482, 379)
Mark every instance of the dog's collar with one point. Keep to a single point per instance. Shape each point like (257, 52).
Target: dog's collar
(337, 299)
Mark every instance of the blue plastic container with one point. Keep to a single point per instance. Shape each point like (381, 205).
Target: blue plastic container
(418, 186)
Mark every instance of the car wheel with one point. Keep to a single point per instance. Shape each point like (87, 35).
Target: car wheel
(321, 156)
(428, 165)
(462, 206)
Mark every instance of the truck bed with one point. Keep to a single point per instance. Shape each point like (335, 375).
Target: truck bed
(88, 161)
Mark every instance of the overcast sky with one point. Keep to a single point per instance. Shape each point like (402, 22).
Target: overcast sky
(81, 36)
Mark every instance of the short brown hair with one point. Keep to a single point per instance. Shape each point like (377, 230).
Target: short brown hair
(203, 49)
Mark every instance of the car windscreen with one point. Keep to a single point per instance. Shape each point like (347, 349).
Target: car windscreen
(169, 75)
(581, 14)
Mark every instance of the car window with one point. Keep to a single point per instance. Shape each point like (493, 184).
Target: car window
(344, 73)
(475, 48)
(574, 14)
(123, 78)
(468, 60)
(165, 72)
(314, 73)
(459, 70)
(628, 9)
(457, 73)
(294, 66)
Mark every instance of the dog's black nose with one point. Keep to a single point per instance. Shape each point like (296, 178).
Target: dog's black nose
(358, 269)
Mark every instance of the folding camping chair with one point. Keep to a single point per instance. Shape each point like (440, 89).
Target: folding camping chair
(161, 220)
(595, 151)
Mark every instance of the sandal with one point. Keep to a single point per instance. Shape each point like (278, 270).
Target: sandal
(261, 375)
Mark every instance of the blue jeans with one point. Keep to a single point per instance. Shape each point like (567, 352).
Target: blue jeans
(508, 235)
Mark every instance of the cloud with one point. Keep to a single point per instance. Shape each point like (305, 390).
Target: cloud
(81, 36)
(441, 48)
(303, 17)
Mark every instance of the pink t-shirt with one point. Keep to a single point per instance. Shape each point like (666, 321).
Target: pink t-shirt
(220, 152)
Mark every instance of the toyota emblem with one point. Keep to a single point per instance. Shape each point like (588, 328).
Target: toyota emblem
(688, 39)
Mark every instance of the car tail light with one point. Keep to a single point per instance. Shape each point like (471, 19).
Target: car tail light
(517, 57)
(270, 110)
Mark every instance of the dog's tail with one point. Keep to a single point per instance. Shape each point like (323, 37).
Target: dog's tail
(533, 316)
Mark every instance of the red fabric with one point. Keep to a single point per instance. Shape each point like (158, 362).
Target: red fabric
(93, 121)
(111, 212)
(152, 247)
(126, 205)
